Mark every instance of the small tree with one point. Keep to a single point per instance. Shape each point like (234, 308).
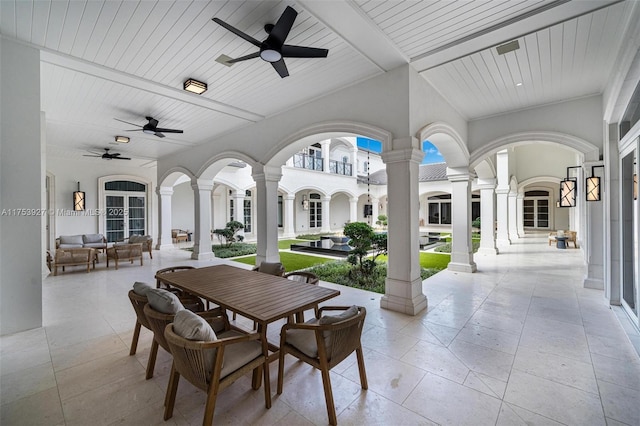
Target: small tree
(476, 223)
(382, 220)
(228, 234)
(366, 247)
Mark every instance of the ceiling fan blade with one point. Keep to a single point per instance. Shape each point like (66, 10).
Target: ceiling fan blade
(134, 130)
(133, 124)
(160, 135)
(281, 29)
(289, 51)
(85, 155)
(152, 121)
(237, 32)
(281, 68)
(120, 158)
(244, 58)
(169, 130)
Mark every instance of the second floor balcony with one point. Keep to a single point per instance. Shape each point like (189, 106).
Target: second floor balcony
(340, 168)
(311, 162)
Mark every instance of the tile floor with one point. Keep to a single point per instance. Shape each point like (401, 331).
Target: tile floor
(519, 342)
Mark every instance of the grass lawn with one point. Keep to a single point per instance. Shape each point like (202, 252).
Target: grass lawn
(429, 260)
(286, 244)
(291, 261)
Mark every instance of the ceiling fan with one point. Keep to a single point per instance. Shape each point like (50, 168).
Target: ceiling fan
(273, 49)
(107, 155)
(151, 128)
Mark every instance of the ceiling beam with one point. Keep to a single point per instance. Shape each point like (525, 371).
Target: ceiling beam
(535, 20)
(351, 23)
(125, 79)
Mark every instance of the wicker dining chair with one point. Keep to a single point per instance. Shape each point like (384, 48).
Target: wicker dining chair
(138, 303)
(214, 365)
(323, 343)
(304, 277)
(157, 323)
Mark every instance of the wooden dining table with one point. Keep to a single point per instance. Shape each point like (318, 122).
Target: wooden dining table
(260, 297)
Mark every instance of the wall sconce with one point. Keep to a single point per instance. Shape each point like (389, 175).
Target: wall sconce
(195, 86)
(305, 203)
(593, 186)
(568, 189)
(78, 200)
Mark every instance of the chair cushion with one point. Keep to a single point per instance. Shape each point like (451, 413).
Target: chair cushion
(92, 238)
(299, 278)
(304, 340)
(272, 268)
(332, 319)
(71, 241)
(164, 301)
(238, 354)
(141, 288)
(193, 327)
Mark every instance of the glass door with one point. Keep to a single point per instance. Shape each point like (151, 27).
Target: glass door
(535, 209)
(125, 216)
(115, 218)
(315, 211)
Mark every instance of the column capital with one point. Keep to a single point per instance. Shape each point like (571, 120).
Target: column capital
(502, 191)
(487, 183)
(266, 173)
(402, 155)
(164, 190)
(459, 174)
(202, 184)
(326, 198)
(289, 197)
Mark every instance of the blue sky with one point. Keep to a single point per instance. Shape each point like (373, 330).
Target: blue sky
(431, 153)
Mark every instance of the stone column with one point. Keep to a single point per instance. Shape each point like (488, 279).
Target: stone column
(238, 205)
(461, 249)
(512, 212)
(202, 234)
(403, 287)
(164, 217)
(267, 178)
(520, 214)
(326, 152)
(326, 214)
(353, 209)
(487, 217)
(502, 192)
(289, 216)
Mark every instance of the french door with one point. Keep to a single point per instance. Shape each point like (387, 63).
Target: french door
(315, 213)
(125, 215)
(536, 212)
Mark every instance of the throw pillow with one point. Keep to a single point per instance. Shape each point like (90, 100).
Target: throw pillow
(92, 238)
(164, 301)
(332, 319)
(141, 288)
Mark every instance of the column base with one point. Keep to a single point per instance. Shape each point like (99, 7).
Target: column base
(462, 267)
(202, 256)
(406, 306)
(164, 246)
(594, 283)
(488, 251)
(503, 242)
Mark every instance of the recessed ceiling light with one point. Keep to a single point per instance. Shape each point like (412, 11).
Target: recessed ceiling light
(195, 86)
(122, 139)
(519, 84)
(508, 47)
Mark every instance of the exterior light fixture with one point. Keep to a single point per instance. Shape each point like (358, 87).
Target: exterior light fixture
(78, 200)
(568, 190)
(305, 203)
(195, 86)
(593, 186)
(122, 139)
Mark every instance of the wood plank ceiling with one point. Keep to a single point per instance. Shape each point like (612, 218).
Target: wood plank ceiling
(128, 59)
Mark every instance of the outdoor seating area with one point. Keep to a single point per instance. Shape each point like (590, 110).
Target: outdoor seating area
(511, 346)
(66, 257)
(562, 239)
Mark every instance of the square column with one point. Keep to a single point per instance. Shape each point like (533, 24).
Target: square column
(267, 178)
(487, 217)
(326, 214)
(461, 248)
(512, 210)
(353, 209)
(403, 287)
(520, 214)
(502, 202)
(238, 208)
(202, 234)
(164, 218)
(289, 216)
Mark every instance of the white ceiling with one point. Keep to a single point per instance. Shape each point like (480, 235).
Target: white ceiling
(128, 59)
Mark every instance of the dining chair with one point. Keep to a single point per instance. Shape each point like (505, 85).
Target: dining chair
(213, 361)
(304, 277)
(158, 320)
(324, 342)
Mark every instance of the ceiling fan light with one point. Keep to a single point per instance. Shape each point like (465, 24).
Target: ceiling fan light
(195, 86)
(122, 139)
(270, 55)
(149, 131)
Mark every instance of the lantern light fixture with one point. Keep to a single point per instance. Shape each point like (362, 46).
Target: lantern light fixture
(569, 189)
(592, 185)
(305, 203)
(78, 200)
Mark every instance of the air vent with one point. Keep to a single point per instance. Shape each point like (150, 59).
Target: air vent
(508, 47)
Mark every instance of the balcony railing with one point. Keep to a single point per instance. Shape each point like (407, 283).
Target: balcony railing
(308, 162)
(340, 167)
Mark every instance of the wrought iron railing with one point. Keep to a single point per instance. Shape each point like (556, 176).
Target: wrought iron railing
(308, 162)
(340, 167)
